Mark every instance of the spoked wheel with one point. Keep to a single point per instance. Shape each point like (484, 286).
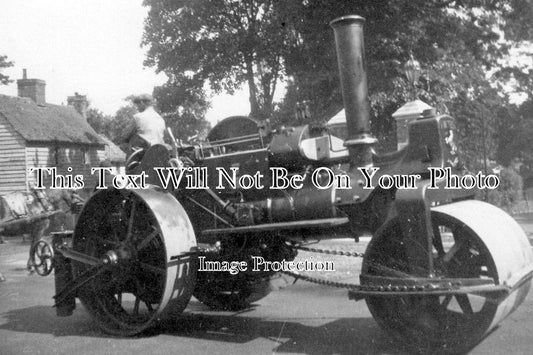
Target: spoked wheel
(41, 257)
(143, 240)
(472, 240)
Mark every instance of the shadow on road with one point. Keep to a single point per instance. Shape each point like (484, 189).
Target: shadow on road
(43, 320)
(341, 336)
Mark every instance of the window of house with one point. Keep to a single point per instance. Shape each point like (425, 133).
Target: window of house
(86, 156)
(56, 155)
(67, 156)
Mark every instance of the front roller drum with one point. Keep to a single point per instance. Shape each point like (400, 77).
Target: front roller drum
(146, 247)
(472, 239)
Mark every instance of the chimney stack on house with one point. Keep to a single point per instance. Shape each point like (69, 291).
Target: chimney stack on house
(32, 88)
(80, 103)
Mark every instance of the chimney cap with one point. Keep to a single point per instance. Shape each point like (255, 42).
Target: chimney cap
(77, 97)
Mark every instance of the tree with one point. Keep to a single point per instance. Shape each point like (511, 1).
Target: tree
(476, 127)
(98, 121)
(121, 123)
(113, 127)
(515, 133)
(4, 63)
(445, 36)
(224, 42)
(183, 105)
(457, 43)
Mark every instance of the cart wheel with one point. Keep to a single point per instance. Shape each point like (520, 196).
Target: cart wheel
(146, 242)
(42, 257)
(472, 240)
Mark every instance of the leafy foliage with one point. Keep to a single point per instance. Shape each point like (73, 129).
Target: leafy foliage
(4, 63)
(113, 127)
(509, 193)
(224, 42)
(183, 106)
(476, 128)
(457, 43)
(98, 121)
(121, 124)
(514, 133)
(463, 47)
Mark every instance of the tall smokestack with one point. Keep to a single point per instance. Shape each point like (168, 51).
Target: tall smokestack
(351, 57)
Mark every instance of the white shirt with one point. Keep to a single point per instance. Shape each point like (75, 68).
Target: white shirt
(150, 126)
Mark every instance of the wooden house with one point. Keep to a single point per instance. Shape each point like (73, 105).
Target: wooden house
(34, 134)
(113, 156)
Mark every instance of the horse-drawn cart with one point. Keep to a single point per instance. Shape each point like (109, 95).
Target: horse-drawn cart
(36, 213)
(25, 212)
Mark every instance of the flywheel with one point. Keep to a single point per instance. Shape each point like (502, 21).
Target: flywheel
(147, 245)
(472, 240)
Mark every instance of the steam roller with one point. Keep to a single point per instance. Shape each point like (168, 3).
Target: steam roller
(440, 272)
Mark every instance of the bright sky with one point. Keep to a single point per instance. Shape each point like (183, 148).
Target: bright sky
(87, 46)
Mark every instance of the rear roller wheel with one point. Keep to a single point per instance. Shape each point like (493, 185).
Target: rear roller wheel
(472, 240)
(144, 241)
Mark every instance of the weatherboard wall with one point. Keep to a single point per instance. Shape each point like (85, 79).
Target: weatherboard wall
(78, 158)
(12, 159)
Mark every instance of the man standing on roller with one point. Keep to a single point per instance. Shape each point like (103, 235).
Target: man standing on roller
(148, 128)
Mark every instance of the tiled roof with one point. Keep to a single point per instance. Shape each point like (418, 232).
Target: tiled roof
(47, 123)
